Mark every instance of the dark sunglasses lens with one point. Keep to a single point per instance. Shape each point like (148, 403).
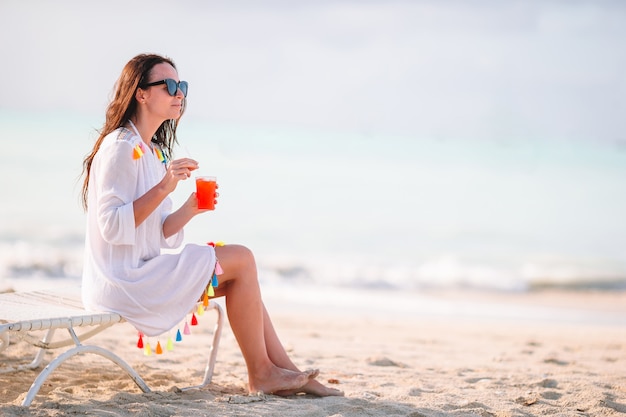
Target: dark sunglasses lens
(171, 87)
(183, 87)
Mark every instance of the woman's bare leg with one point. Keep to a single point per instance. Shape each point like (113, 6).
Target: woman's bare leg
(246, 315)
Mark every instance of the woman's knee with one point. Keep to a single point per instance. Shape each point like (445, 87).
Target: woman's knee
(236, 255)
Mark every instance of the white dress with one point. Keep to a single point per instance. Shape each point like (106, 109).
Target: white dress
(124, 269)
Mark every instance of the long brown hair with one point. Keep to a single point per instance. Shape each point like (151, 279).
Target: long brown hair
(124, 105)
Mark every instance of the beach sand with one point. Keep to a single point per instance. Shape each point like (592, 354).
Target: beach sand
(569, 359)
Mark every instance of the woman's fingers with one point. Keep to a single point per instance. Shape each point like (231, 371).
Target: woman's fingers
(187, 163)
(182, 168)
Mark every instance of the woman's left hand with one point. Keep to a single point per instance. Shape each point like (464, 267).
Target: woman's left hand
(192, 203)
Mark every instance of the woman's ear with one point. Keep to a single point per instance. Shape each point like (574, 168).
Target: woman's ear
(140, 95)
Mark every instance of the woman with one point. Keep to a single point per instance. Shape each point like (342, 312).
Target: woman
(127, 180)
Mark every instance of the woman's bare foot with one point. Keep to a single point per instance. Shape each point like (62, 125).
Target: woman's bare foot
(278, 379)
(312, 387)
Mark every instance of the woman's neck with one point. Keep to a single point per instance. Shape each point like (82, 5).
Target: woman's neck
(144, 128)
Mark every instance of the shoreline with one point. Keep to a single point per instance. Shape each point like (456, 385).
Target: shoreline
(558, 306)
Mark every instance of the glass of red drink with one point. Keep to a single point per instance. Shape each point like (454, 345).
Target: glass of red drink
(205, 192)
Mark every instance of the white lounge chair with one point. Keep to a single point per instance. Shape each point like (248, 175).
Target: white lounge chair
(24, 312)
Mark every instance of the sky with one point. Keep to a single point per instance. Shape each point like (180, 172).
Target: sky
(444, 69)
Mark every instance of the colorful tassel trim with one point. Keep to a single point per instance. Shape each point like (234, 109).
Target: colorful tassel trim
(138, 151)
(160, 155)
(209, 292)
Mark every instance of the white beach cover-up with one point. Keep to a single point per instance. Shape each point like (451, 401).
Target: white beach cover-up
(124, 269)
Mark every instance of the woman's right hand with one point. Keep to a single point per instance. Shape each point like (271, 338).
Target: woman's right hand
(177, 170)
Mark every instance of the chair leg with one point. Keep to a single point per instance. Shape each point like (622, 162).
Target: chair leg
(41, 352)
(36, 386)
(217, 334)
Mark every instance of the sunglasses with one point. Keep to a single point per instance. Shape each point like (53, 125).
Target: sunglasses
(172, 86)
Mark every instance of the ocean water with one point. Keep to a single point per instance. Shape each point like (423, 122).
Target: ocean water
(345, 209)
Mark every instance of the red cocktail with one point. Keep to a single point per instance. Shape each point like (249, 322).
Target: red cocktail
(205, 191)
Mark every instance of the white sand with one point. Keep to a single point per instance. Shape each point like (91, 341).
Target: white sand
(558, 354)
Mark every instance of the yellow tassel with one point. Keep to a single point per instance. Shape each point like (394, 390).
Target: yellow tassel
(147, 351)
(210, 291)
(200, 309)
(170, 344)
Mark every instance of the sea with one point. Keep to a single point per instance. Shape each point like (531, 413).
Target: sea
(345, 210)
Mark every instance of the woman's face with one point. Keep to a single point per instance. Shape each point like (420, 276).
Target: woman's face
(158, 102)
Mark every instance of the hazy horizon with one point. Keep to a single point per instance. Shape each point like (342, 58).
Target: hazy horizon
(478, 69)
